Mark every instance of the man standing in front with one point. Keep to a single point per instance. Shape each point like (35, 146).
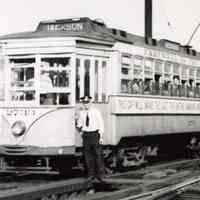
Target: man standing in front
(91, 126)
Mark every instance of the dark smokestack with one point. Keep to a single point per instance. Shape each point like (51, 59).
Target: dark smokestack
(148, 18)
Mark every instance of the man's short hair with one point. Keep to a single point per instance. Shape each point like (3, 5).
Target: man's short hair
(85, 99)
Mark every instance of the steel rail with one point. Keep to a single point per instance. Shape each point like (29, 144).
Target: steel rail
(46, 190)
(156, 194)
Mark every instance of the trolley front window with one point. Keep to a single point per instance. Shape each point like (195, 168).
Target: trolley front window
(55, 74)
(44, 81)
(22, 83)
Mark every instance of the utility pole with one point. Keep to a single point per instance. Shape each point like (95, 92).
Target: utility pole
(148, 18)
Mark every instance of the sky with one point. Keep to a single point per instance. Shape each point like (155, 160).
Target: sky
(172, 19)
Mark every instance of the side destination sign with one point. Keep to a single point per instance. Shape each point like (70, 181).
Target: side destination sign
(68, 27)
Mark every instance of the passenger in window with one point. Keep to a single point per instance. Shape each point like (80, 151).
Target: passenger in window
(190, 88)
(158, 86)
(129, 87)
(175, 87)
(63, 79)
(166, 88)
(45, 80)
(53, 77)
(29, 83)
(187, 88)
(152, 86)
(147, 87)
(193, 88)
(141, 86)
(135, 87)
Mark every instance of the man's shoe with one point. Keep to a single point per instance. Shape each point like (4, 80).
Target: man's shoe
(90, 179)
(91, 191)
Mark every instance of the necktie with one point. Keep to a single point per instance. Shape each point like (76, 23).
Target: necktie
(87, 120)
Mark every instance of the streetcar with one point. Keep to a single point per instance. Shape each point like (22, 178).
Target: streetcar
(147, 90)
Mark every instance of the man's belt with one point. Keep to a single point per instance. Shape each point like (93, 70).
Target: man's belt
(90, 131)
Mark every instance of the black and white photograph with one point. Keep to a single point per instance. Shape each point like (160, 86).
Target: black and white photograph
(100, 100)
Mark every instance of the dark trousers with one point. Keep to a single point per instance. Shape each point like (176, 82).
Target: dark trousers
(92, 153)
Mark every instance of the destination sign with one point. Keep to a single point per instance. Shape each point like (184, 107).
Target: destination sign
(67, 27)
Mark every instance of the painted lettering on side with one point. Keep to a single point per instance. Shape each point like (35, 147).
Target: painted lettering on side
(20, 112)
(137, 105)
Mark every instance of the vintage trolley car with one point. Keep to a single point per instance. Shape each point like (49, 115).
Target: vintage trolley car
(147, 90)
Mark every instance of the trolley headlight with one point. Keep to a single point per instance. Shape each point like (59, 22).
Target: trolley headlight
(18, 128)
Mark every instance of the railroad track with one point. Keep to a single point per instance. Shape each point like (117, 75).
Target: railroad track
(150, 182)
(167, 193)
(61, 190)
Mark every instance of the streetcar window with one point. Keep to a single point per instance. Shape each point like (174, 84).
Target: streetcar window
(176, 86)
(192, 72)
(54, 99)
(123, 33)
(184, 72)
(124, 71)
(51, 78)
(2, 80)
(91, 76)
(198, 74)
(77, 79)
(158, 77)
(190, 88)
(104, 81)
(148, 68)
(136, 86)
(126, 86)
(158, 66)
(54, 72)
(87, 77)
(166, 88)
(183, 88)
(22, 79)
(148, 86)
(55, 81)
(22, 76)
(158, 84)
(137, 68)
(198, 90)
(96, 80)
(167, 67)
(176, 68)
(22, 95)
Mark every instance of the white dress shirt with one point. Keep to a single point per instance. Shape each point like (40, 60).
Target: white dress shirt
(95, 121)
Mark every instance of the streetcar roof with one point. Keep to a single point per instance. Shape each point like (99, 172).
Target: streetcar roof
(95, 29)
(78, 27)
